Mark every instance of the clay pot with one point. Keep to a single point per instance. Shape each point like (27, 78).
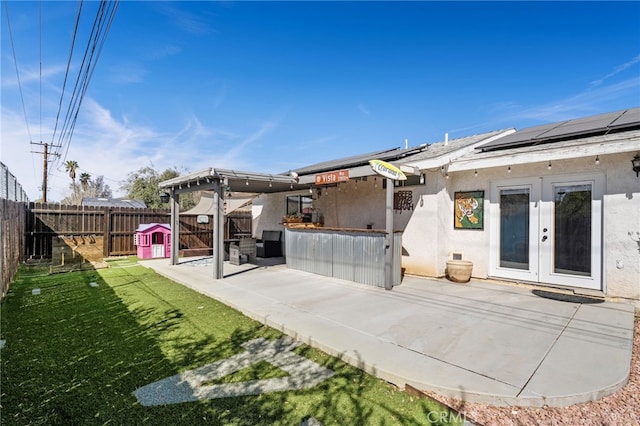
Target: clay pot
(459, 271)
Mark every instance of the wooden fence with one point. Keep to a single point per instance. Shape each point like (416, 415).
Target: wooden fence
(12, 240)
(116, 226)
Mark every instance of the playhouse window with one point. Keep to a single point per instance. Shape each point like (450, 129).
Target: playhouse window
(157, 238)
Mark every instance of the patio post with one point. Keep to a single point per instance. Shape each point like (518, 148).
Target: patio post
(175, 226)
(388, 254)
(218, 229)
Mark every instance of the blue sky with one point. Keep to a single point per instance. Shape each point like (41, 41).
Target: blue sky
(273, 86)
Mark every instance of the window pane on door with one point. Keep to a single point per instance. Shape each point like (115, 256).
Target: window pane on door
(572, 229)
(514, 228)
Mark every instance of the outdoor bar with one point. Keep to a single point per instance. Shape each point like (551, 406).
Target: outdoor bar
(357, 255)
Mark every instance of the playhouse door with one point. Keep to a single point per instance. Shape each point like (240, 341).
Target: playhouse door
(548, 230)
(157, 245)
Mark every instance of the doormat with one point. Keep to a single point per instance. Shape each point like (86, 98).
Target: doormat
(572, 298)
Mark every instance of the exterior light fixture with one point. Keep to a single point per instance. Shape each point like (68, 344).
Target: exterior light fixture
(164, 198)
(421, 178)
(549, 166)
(509, 169)
(636, 164)
(270, 184)
(247, 182)
(310, 190)
(597, 160)
(475, 173)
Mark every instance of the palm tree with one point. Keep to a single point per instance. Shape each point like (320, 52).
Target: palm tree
(85, 178)
(70, 167)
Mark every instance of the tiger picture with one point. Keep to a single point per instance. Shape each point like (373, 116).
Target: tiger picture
(467, 212)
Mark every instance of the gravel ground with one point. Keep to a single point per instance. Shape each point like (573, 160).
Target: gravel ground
(619, 409)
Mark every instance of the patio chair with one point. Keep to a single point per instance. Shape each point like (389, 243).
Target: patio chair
(269, 245)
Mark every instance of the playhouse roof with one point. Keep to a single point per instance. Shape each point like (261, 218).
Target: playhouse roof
(143, 227)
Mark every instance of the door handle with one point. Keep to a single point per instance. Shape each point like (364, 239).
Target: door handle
(544, 238)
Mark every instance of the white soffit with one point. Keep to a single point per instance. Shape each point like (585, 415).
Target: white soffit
(588, 147)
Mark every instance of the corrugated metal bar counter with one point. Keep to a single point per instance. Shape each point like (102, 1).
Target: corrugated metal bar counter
(349, 254)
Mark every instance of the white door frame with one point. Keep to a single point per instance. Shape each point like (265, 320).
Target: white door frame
(541, 213)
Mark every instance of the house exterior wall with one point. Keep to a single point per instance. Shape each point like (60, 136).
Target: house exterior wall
(267, 211)
(429, 237)
(428, 243)
(621, 260)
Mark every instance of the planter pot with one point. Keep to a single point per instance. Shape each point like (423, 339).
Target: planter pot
(459, 271)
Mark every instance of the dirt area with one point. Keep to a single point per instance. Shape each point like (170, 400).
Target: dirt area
(618, 409)
(72, 253)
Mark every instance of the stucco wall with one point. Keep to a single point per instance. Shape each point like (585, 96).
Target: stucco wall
(621, 263)
(429, 236)
(267, 211)
(433, 221)
(424, 240)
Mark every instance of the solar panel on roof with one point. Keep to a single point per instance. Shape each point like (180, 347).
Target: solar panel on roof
(629, 118)
(519, 137)
(583, 125)
(602, 123)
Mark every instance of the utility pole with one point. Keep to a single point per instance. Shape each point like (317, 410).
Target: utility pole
(45, 166)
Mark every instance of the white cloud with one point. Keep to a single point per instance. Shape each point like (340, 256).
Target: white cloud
(616, 71)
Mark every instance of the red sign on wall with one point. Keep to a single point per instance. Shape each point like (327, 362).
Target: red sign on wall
(332, 177)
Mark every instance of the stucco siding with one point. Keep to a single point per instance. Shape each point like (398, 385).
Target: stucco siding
(621, 228)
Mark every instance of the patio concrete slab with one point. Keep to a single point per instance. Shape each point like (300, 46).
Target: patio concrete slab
(480, 342)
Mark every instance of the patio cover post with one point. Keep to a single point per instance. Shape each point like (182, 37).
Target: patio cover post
(218, 229)
(175, 226)
(388, 255)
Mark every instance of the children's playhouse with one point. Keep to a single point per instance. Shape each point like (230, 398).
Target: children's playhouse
(153, 240)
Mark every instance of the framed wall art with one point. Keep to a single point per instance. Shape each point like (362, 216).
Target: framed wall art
(468, 210)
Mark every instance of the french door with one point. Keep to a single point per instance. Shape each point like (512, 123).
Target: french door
(548, 230)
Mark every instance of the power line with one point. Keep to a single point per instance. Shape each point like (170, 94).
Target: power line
(66, 74)
(102, 24)
(15, 61)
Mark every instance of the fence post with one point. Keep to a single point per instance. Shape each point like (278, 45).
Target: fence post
(106, 236)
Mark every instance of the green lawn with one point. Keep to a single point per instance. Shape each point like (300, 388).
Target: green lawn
(75, 354)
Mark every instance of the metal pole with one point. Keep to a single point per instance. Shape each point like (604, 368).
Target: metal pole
(175, 226)
(388, 255)
(218, 229)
